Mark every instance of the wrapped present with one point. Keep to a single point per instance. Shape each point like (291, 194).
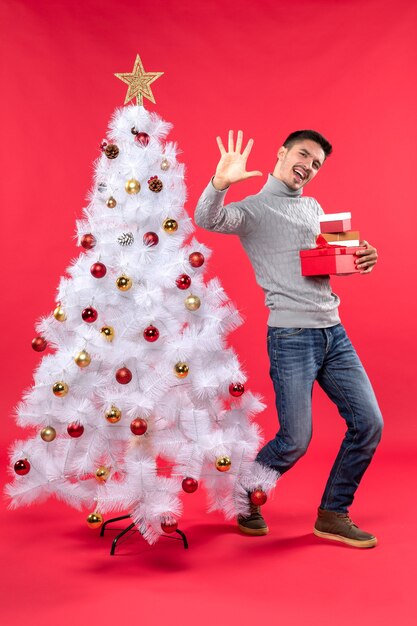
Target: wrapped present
(349, 238)
(335, 222)
(329, 259)
(347, 243)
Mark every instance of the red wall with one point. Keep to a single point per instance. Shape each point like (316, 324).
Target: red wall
(345, 68)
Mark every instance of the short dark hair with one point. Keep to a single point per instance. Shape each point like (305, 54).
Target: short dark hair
(313, 135)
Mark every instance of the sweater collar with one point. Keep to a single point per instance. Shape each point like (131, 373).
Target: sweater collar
(279, 188)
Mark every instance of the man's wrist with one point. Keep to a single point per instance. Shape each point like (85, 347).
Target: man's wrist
(219, 184)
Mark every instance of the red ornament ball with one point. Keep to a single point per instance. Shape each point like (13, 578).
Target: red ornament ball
(75, 430)
(236, 389)
(142, 139)
(150, 239)
(88, 241)
(258, 497)
(151, 333)
(196, 259)
(22, 467)
(139, 426)
(123, 375)
(39, 344)
(183, 281)
(189, 485)
(89, 315)
(169, 527)
(98, 270)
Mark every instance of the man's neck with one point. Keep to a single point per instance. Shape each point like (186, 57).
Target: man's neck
(279, 188)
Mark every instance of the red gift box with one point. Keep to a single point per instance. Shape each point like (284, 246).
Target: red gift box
(328, 259)
(335, 222)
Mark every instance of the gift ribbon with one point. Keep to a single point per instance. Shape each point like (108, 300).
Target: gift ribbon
(322, 244)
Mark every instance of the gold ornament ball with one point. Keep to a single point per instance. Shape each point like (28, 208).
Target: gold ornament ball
(165, 165)
(108, 332)
(59, 314)
(113, 415)
(102, 474)
(124, 283)
(223, 463)
(170, 225)
(132, 186)
(95, 520)
(111, 202)
(192, 303)
(48, 433)
(181, 370)
(60, 389)
(82, 359)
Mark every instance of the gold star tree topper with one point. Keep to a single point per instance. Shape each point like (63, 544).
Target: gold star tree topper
(139, 83)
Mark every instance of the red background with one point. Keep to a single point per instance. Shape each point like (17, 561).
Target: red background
(344, 68)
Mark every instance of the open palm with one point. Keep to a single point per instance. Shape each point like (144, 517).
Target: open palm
(232, 165)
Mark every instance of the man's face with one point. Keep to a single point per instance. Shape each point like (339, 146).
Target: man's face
(299, 164)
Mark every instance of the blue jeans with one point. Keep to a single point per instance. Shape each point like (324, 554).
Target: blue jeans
(298, 357)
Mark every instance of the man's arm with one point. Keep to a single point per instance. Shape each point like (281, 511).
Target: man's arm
(210, 212)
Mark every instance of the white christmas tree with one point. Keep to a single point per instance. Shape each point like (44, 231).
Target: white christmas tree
(139, 379)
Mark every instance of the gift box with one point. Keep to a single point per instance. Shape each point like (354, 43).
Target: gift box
(335, 222)
(347, 243)
(328, 259)
(343, 238)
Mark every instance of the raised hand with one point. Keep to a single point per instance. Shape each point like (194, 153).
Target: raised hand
(232, 165)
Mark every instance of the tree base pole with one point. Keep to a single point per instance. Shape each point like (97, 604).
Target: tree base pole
(181, 537)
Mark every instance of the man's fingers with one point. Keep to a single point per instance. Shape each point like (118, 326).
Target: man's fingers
(239, 141)
(230, 148)
(248, 148)
(253, 173)
(221, 146)
(362, 261)
(370, 253)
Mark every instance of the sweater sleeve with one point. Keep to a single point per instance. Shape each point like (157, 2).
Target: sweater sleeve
(319, 209)
(211, 213)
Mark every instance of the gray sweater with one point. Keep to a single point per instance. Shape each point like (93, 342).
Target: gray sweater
(273, 226)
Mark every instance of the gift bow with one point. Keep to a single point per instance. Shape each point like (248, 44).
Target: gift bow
(322, 243)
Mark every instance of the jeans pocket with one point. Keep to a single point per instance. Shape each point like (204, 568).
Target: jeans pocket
(282, 332)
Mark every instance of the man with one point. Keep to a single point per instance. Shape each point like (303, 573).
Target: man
(306, 341)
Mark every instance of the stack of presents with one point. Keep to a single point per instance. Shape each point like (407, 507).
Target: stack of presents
(335, 247)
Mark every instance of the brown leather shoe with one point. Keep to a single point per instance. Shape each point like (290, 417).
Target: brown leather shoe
(339, 527)
(254, 524)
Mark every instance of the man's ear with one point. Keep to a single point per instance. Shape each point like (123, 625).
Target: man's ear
(282, 152)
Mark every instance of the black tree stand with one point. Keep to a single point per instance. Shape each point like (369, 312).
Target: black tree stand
(182, 537)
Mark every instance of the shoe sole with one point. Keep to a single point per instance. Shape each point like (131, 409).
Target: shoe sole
(367, 543)
(255, 532)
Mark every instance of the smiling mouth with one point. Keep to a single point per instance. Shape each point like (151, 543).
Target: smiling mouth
(300, 174)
